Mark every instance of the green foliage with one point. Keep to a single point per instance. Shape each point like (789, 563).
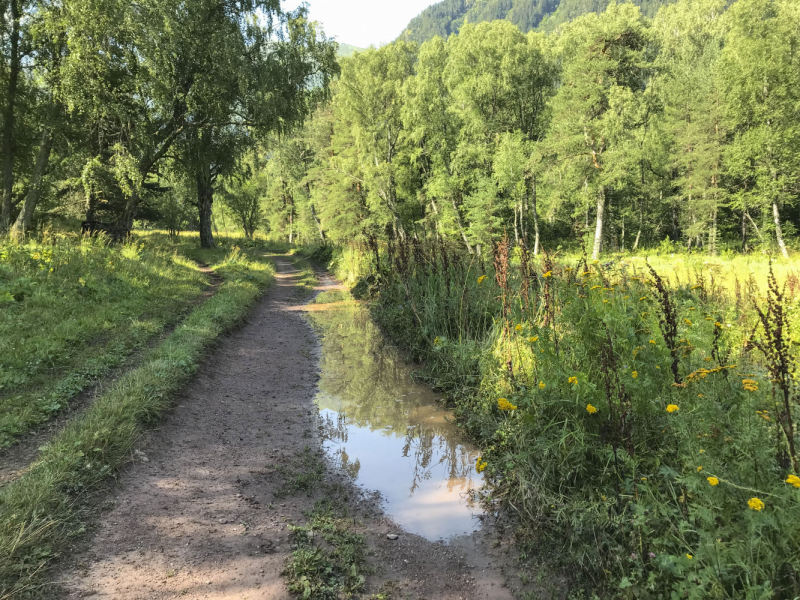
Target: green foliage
(648, 485)
(329, 571)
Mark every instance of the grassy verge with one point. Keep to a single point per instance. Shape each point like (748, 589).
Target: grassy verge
(43, 508)
(72, 309)
(641, 425)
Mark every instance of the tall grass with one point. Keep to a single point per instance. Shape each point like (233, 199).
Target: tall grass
(640, 422)
(73, 308)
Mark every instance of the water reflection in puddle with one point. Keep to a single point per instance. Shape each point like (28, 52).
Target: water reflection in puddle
(388, 432)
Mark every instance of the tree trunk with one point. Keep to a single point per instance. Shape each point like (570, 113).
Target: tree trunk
(319, 224)
(744, 233)
(205, 201)
(23, 222)
(461, 226)
(776, 215)
(753, 223)
(516, 224)
(9, 142)
(712, 235)
(598, 231)
(641, 222)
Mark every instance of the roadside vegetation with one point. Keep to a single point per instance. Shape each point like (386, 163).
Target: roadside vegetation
(72, 309)
(46, 505)
(641, 427)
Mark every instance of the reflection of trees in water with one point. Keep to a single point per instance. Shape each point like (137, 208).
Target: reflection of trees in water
(342, 460)
(334, 429)
(360, 370)
(431, 450)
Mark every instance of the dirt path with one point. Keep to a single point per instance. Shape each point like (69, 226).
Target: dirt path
(199, 514)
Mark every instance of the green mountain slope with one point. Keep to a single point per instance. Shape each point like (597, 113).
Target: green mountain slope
(447, 16)
(346, 50)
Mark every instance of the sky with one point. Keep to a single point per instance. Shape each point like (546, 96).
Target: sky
(362, 22)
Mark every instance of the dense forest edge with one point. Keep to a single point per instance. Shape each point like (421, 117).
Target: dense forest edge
(585, 233)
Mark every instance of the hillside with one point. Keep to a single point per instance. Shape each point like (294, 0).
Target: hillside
(346, 50)
(447, 16)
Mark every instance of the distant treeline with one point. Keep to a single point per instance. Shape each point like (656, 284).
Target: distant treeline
(617, 127)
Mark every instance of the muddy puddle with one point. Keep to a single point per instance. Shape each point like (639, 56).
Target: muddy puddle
(389, 432)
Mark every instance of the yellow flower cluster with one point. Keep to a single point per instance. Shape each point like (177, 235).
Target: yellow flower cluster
(652, 342)
(712, 481)
(687, 321)
(755, 504)
(635, 374)
(642, 298)
(672, 408)
(548, 274)
(595, 287)
(542, 385)
(480, 464)
(794, 480)
(695, 287)
(518, 327)
(703, 373)
(481, 279)
(590, 409)
(436, 341)
(504, 404)
(573, 380)
(764, 414)
(750, 385)
(533, 339)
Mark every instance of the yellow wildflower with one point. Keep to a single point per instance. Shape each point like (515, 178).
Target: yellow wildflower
(689, 556)
(481, 279)
(548, 274)
(642, 298)
(699, 469)
(644, 478)
(712, 481)
(672, 408)
(573, 380)
(755, 504)
(480, 464)
(533, 339)
(687, 321)
(590, 409)
(652, 341)
(436, 341)
(635, 374)
(542, 385)
(694, 287)
(750, 385)
(36, 256)
(504, 404)
(595, 287)
(701, 451)
(586, 273)
(794, 480)
(718, 324)
(518, 327)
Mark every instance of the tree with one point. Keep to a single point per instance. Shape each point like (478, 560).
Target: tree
(599, 104)
(760, 75)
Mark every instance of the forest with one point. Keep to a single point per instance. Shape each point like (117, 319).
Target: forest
(582, 235)
(616, 130)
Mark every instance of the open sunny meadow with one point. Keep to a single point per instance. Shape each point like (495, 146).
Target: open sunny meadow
(499, 299)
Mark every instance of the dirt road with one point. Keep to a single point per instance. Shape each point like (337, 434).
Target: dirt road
(199, 514)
